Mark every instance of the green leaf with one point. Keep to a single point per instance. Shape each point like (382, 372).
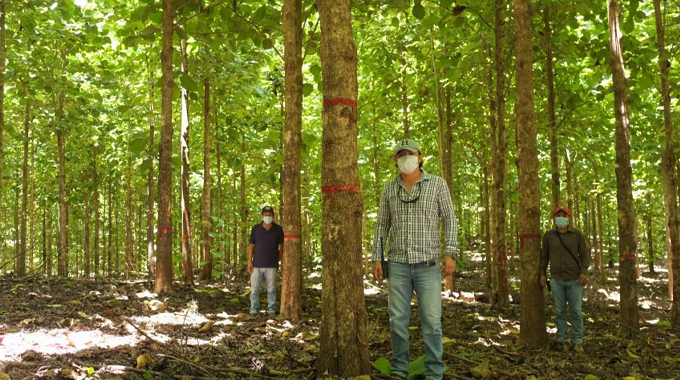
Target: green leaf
(188, 83)
(418, 10)
(90, 371)
(416, 368)
(383, 365)
(591, 377)
(307, 89)
(259, 14)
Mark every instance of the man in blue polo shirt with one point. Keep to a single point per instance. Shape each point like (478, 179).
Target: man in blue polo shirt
(264, 252)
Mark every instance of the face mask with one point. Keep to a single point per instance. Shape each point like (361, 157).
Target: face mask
(407, 164)
(267, 219)
(561, 222)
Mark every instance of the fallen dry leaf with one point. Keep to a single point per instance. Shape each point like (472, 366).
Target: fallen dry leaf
(144, 361)
(206, 326)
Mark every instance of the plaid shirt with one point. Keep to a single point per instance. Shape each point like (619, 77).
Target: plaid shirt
(414, 227)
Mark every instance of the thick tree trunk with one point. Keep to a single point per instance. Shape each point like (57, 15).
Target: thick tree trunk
(206, 255)
(97, 217)
(164, 246)
(552, 126)
(503, 290)
(292, 141)
(669, 170)
(532, 316)
(344, 335)
(187, 266)
(20, 266)
(624, 188)
(150, 254)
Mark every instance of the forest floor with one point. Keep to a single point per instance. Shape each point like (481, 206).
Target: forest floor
(82, 329)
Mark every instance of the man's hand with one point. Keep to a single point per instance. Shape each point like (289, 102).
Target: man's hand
(544, 281)
(583, 279)
(448, 266)
(250, 268)
(377, 271)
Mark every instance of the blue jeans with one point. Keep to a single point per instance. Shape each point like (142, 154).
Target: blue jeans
(568, 292)
(256, 278)
(426, 282)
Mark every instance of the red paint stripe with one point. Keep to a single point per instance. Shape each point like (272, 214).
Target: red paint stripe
(164, 228)
(340, 188)
(291, 236)
(329, 102)
(523, 237)
(627, 257)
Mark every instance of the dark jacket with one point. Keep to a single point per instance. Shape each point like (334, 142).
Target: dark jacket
(565, 266)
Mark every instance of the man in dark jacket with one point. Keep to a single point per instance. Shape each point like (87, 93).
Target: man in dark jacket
(564, 248)
(264, 252)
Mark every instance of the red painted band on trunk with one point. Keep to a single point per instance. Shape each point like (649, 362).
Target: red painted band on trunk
(627, 257)
(523, 237)
(291, 236)
(186, 238)
(164, 228)
(340, 188)
(329, 102)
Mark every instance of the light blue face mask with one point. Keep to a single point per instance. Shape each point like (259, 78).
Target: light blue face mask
(561, 221)
(267, 219)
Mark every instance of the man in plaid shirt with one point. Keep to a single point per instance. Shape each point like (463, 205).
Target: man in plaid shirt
(411, 208)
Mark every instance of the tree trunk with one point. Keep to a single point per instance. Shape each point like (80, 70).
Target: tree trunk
(344, 335)
(568, 164)
(532, 315)
(3, 52)
(164, 256)
(187, 266)
(129, 256)
(243, 241)
(62, 267)
(97, 218)
(206, 255)
(150, 259)
(31, 237)
(86, 240)
(109, 240)
(47, 258)
(489, 181)
(292, 140)
(600, 248)
(404, 94)
(624, 188)
(20, 266)
(552, 126)
(650, 237)
(45, 237)
(501, 145)
(669, 170)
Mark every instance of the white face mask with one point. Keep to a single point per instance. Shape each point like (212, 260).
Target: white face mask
(407, 164)
(267, 219)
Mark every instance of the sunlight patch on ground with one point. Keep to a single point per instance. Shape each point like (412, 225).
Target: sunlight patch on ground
(612, 296)
(59, 341)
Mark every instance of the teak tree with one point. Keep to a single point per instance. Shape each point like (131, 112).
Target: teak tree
(344, 330)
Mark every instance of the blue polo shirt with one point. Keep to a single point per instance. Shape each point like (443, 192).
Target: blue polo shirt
(266, 250)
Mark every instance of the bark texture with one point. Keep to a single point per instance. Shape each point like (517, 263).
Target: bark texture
(187, 265)
(20, 263)
(291, 284)
(206, 255)
(624, 186)
(532, 316)
(164, 256)
(344, 335)
(669, 170)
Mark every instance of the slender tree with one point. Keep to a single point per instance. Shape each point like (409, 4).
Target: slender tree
(20, 266)
(624, 186)
(97, 216)
(150, 260)
(532, 317)
(187, 266)
(552, 125)
(670, 178)
(344, 335)
(292, 141)
(62, 266)
(3, 53)
(164, 256)
(206, 255)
